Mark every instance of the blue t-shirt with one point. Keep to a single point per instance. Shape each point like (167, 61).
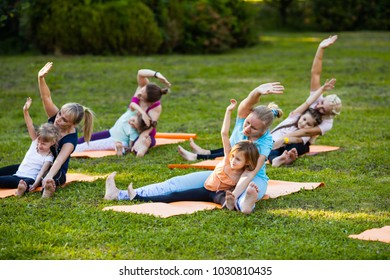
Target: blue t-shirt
(263, 144)
(122, 131)
(56, 149)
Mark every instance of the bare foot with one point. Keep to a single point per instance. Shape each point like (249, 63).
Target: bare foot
(292, 155)
(230, 201)
(186, 154)
(49, 188)
(250, 198)
(22, 187)
(198, 150)
(142, 145)
(119, 149)
(131, 191)
(280, 160)
(112, 191)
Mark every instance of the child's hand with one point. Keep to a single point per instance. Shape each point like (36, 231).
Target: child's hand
(27, 104)
(45, 70)
(32, 187)
(329, 41)
(232, 105)
(329, 84)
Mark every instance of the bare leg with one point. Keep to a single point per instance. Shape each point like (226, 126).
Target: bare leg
(111, 190)
(198, 150)
(49, 189)
(230, 201)
(250, 198)
(186, 154)
(22, 187)
(131, 191)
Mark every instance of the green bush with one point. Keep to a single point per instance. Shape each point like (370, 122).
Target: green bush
(119, 27)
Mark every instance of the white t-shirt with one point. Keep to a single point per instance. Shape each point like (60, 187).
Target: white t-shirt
(33, 162)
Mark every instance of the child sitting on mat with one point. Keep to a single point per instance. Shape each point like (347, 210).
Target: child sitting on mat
(303, 117)
(240, 159)
(37, 160)
(121, 136)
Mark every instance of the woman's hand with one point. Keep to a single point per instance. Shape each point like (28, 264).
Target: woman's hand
(329, 41)
(270, 88)
(164, 81)
(42, 73)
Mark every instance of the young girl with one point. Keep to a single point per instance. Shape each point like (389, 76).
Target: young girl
(146, 101)
(239, 159)
(37, 160)
(121, 136)
(284, 150)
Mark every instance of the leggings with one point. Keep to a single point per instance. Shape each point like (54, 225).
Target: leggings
(301, 149)
(186, 182)
(8, 180)
(213, 154)
(200, 194)
(96, 136)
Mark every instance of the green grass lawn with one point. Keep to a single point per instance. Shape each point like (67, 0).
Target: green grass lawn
(310, 225)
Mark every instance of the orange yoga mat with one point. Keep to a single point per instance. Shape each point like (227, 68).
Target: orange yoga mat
(164, 210)
(375, 234)
(169, 138)
(70, 177)
(211, 163)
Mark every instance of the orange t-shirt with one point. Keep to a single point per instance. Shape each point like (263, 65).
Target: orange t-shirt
(219, 180)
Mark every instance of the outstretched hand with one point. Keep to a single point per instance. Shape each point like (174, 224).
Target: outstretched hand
(270, 88)
(329, 84)
(329, 41)
(232, 105)
(27, 104)
(42, 73)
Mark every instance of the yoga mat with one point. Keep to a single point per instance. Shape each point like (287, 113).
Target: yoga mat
(70, 177)
(169, 138)
(211, 163)
(375, 234)
(173, 135)
(165, 210)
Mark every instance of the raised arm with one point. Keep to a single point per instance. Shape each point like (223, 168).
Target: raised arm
(245, 107)
(50, 108)
(328, 85)
(226, 126)
(316, 68)
(144, 74)
(28, 119)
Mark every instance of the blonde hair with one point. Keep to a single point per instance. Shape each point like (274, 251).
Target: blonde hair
(77, 113)
(250, 151)
(268, 113)
(335, 103)
(47, 132)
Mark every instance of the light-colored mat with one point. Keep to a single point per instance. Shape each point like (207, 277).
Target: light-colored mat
(162, 138)
(165, 210)
(211, 163)
(70, 177)
(375, 234)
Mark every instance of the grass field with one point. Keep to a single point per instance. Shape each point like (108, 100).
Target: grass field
(309, 225)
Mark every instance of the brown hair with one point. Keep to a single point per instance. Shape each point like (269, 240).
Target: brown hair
(154, 92)
(142, 125)
(314, 113)
(250, 150)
